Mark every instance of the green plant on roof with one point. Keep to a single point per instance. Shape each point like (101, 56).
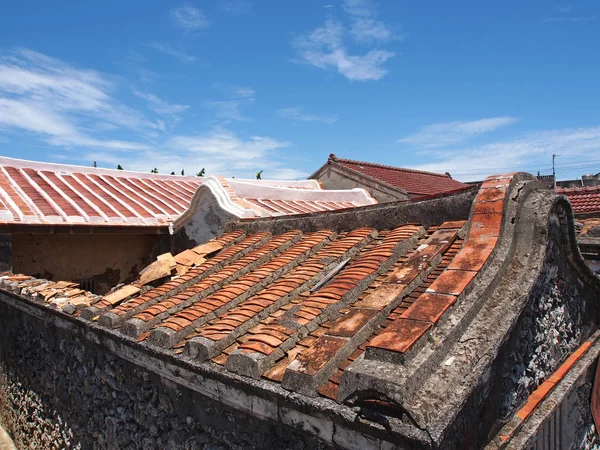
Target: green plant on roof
(258, 174)
(155, 170)
(119, 167)
(201, 173)
(182, 171)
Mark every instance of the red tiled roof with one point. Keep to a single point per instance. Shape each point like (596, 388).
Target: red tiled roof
(414, 182)
(583, 199)
(298, 308)
(56, 194)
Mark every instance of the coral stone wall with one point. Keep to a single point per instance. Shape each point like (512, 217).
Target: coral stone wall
(58, 391)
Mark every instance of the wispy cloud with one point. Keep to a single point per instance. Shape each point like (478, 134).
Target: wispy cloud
(226, 109)
(238, 97)
(61, 104)
(189, 18)
(568, 19)
(219, 151)
(160, 106)
(296, 113)
(174, 52)
(236, 6)
(326, 47)
(530, 152)
(449, 133)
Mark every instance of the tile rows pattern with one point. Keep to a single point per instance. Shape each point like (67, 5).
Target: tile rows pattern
(71, 195)
(329, 388)
(584, 199)
(485, 226)
(298, 308)
(414, 182)
(57, 194)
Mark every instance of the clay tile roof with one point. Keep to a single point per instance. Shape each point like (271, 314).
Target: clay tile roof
(414, 182)
(351, 315)
(583, 199)
(34, 193)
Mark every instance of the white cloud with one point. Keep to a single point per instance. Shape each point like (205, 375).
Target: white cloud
(448, 133)
(236, 6)
(244, 92)
(530, 152)
(238, 97)
(219, 151)
(325, 46)
(568, 19)
(160, 106)
(176, 53)
(61, 104)
(226, 109)
(189, 18)
(295, 113)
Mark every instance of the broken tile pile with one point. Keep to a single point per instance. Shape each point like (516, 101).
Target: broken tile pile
(63, 295)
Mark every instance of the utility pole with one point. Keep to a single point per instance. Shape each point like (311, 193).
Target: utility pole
(553, 171)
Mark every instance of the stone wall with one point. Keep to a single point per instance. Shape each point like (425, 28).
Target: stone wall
(59, 390)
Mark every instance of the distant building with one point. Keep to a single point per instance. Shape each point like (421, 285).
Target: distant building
(385, 183)
(99, 227)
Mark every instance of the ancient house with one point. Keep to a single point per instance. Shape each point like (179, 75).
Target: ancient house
(100, 227)
(385, 183)
(464, 321)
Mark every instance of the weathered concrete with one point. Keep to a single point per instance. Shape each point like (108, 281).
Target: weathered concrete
(382, 217)
(206, 221)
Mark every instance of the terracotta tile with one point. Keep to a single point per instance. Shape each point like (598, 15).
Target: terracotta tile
(454, 224)
(473, 255)
(491, 194)
(315, 357)
(255, 346)
(429, 307)
(486, 224)
(407, 272)
(496, 207)
(400, 336)
(278, 371)
(452, 282)
(266, 338)
(564, 368)
(329, 390)
(305, 314)
(220, 360)
(380, 297)
(349, 325)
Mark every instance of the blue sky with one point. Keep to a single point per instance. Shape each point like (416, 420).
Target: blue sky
(238, 86)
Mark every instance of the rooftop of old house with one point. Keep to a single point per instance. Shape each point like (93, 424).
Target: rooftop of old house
(349, 306)
(416, 183)
(585, 200)
(38, 194)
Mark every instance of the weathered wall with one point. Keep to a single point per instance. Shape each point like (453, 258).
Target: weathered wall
(5, 252)
(564, 421)
(109, 259)
(207, 222)
(560, 312)
(334, 179)
(58, 390)
(382, 216)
